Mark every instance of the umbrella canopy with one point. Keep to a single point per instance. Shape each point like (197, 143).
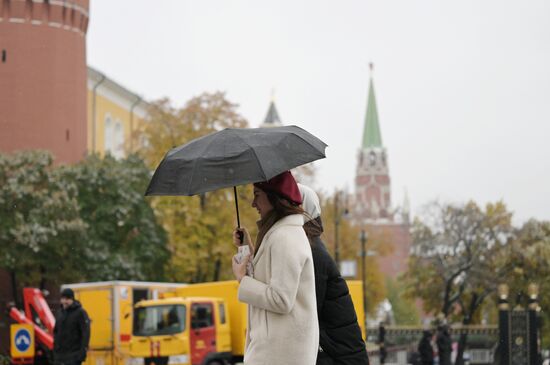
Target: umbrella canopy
(232, 157)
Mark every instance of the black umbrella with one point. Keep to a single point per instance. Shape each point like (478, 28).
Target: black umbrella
(233, 157)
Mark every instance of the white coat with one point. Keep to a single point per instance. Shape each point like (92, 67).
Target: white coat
(282, 308)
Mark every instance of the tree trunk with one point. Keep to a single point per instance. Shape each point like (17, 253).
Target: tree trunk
(446, 299)
(14, 291)
(198, 274)
(42, 278)
(203, 201)
(217, 269)
(460, 350)
(467, 319)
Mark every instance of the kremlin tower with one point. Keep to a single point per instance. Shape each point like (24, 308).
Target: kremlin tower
(43, 76)
(373, 206)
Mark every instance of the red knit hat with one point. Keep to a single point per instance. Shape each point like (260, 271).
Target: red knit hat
(283, 185)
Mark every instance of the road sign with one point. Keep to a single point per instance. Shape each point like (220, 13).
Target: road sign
(22, 340)
(348, 268)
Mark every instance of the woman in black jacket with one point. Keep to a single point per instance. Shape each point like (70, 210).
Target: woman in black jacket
(425, 348)
(340, 341)
(444, 345)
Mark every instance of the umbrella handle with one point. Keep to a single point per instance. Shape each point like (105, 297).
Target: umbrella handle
(240, 233)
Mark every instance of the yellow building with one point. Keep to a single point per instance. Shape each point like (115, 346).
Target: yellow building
(114, 113)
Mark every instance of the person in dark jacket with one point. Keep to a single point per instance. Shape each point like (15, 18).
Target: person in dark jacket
(425, 349)
(71, 331)
(340, 340)
(444, 345)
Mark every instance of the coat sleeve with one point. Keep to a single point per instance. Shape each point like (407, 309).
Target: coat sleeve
(321, 276)
(287, 261)
(84, 328)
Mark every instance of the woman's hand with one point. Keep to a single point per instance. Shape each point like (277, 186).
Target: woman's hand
(239, 269)
(246, 239)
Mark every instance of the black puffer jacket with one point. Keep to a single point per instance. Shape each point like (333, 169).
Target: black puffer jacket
(444, 346)
(426, 350)
(71, 334)
(340, 334)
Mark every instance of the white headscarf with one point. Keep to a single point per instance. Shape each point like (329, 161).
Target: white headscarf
(310, 202)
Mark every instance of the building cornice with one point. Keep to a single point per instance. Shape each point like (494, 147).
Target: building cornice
(117, 93)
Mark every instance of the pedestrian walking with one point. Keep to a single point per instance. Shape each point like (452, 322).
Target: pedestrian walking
(425, 349)
(340, 341)
(444, 345)
(71, 331)
(282, 313)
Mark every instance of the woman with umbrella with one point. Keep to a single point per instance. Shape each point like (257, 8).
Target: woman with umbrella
(280, 293)
(282, 309)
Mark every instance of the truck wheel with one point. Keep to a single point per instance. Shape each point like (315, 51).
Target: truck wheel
(215, 362)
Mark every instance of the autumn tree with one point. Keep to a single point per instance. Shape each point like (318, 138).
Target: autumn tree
(167, 126)
(531, 257)
(459, 252)
(199, 227)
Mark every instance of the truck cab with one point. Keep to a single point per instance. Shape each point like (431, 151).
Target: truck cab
(181, 331)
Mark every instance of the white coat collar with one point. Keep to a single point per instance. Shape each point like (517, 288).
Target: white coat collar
(289, 220)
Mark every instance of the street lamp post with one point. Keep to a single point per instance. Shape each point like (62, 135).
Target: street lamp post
(339, 213)
(364, 238)
(336, 233)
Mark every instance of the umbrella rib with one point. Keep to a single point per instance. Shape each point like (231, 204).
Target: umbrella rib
(303, 139)
(195, 164)
(257, 159)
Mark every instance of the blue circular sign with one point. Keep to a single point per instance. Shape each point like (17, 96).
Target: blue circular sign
(22, 340)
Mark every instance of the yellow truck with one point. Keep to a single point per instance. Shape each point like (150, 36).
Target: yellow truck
(199, 324)
(181, 330)
(110, 307)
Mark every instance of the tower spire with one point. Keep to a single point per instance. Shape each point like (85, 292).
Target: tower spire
(371, 132)
(272, 118)
(372, 183)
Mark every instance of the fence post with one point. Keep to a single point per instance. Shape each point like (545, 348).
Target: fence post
(503, 325)
(533, 308)
(381, 340)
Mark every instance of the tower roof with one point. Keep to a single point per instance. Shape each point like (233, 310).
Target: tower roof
(272, 118)
(371, 133)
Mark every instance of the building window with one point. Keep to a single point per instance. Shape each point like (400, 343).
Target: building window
(114, 137)
(4, 56)
(108, 135)
(118, 150)
(222, 313)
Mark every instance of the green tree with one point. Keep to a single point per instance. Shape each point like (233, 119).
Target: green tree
(200, 227)
(124, 240)
(42, 237)
(404, 308)
(459, 253)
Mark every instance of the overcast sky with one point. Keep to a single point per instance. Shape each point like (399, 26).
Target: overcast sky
(463, 88)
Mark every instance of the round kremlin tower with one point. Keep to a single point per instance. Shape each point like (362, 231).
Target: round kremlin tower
(43, 76)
